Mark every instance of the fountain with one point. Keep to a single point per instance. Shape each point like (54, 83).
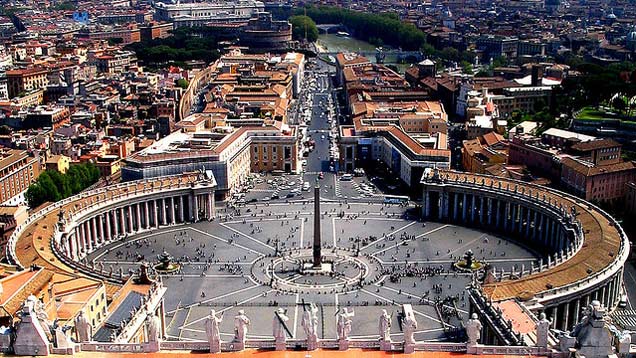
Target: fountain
(165, 264)
(468, 264)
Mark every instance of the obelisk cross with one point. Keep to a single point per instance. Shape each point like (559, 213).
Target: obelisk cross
(317, 240)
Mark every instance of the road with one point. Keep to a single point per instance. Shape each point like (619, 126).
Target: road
(318, 130)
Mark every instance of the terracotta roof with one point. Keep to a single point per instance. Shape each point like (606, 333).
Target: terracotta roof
(596, 144)
(491, 138)
(591, 170)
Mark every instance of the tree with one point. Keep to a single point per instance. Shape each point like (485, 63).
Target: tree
(450, 54)
(467, 67)
(386, 27)
(618, 103)
(53, 186)
(115, 41)
(303, 27)
(183, 83)
(65, 6)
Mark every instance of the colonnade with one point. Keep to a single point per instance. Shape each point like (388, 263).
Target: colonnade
(546, 224)
(503, 214)
(111, 222)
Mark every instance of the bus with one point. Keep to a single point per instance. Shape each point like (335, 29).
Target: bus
(396, 199)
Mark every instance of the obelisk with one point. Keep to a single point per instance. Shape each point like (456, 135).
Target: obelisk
(317, 240)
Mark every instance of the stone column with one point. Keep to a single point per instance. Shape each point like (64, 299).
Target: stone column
(455, 204)
(102, 235)
(489, 212)
(427, 204)
(601, 295)
(498, 215)
(138, 216)
(155, 212)
(507, 216)
(210, 206)
(116, 222)
(195, 207)
(528, 222)
(94, 231)
(446, 204)
(464, 206)
(553, 228)
(473, 206)
(147, 214)
(131, 227)
(70, 246)
(181, 211)
(481, 210)
(84, 245)
(577, 311)
(108, 221)
(124, 230)
(164, 213)
(608, 294)
(173, 211)
(566, 313)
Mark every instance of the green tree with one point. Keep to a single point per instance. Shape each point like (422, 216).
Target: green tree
(467, 67)
(618, 103)
(303, 26)
(386, 27)
(53, 186)
(183, 83)
(65, 6)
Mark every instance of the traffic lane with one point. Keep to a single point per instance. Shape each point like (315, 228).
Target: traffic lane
(318, 159)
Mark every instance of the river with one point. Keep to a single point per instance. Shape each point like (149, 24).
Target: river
(335, 43)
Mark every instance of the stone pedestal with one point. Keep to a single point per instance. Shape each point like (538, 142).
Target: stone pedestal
(312, 344)
(473, 349)
(281, 345)
(151, 347)
(30, 337)
(385, 346)
(215, 347)
(409, 348)
(239, 346)
(343, 344)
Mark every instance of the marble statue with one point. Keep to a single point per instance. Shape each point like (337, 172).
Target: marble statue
(241, 322)
(473, 330)
(83, 328)
(153, 326)
(213, 332)
(278, 325)
(384, 326)
(409, 325)
(309, 322)
(543, 327)
(593, 336)
(343, 321)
